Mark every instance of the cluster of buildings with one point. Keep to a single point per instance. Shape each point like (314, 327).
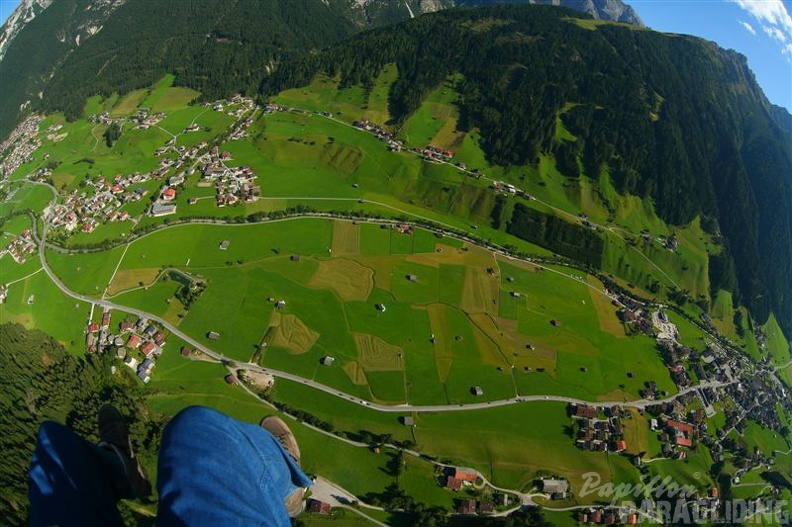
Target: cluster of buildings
(457, 479)
(599, 435)
(380, 133)
(137, 344)
(145, 119)
(472, 507)
(20, 145)
(144, 337)
(434, 153)
(85, 210)
(20, 246)
(233, 184)
(607, 516)
(240, 131)
(240, 105)
(508, 188)
(97, 337)
(671, 243)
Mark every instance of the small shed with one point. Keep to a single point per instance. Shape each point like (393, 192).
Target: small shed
(295, 258)
(477, 390)
(231, 378)
(327, 361)
(213, 335)
(185, 351)
(412, 278)
(408, 420)
(224, 245)
(380, 307)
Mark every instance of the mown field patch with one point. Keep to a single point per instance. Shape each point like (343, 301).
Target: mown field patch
(346, 237)
(441, 337)
(292, 333)
(480, 293)
(348, 279)
(374, 354)
(131, 278)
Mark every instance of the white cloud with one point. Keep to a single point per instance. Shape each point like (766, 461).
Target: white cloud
(774, 19)
(748, 26)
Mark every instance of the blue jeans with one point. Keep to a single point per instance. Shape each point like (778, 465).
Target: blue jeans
(212, 470)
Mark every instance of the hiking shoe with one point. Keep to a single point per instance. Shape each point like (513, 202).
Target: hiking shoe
(280, 431)
(114, 436)
(275, 426)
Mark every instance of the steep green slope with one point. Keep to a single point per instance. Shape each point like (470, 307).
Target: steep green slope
(626, 95)
(41, 381)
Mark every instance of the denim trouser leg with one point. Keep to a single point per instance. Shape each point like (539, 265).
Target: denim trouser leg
(71, 481)
(215, 470)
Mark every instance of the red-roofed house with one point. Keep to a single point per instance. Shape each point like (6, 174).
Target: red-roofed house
(683, 433)
(133, 342)
(147, 348)
(318, 507)
(93, 328)
(169, 194)
(465, 475)
(453, 483)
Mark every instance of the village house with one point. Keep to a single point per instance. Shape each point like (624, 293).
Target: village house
(556, 488)
(315, 506)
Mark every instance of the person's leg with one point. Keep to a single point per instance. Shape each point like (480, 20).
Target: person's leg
(71, 481)
(215, 470)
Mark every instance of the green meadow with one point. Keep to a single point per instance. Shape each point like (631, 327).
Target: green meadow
(408, 317)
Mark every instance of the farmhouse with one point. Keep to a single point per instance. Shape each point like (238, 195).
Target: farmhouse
(467, 507)
(454, 484)
(557, 488)
(318, 507)
(465, 474)
(682, 433)
(584, 411)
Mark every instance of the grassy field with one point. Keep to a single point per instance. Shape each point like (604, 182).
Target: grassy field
(452, 319)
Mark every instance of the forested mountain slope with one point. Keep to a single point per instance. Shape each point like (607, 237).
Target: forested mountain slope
(42, 381)
(72, 49)
(668, 117)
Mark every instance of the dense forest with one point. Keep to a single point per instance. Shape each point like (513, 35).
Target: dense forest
(214, 46)
(42, 381)
(567, 239)
(672, 118)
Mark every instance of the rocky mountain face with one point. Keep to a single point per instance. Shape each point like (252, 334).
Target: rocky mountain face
(612, 10)
(24, 13)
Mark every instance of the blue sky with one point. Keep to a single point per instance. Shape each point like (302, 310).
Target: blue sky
(759, 29)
